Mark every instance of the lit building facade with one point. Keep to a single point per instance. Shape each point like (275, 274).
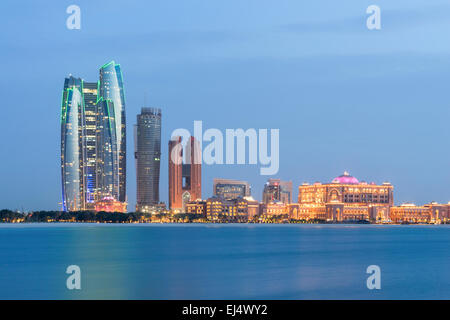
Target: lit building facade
(231, 189)
(197, 207)
(277, 190)
(344, 199)
(239, 209)
(185, 177)
(148, 158)
(273, 209)
(93, 147)
(72, 118)
(90, 144)
(429, 213)
(249, 205)
(111, 134)
(109, 204)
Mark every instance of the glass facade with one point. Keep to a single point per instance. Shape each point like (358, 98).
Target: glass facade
(111, 134)
(71, 144)
(148, 157)
(93, 147)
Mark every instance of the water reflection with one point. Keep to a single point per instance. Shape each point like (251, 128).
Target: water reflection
(223, 261)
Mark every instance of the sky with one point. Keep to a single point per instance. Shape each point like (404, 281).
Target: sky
(373, 102)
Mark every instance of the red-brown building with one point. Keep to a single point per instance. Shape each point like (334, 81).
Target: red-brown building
(185, 178)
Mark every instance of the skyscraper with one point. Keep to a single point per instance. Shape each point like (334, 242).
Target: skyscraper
(185, 179)
(148, 157)
(93, 148)
(111, 134)
(72, 118)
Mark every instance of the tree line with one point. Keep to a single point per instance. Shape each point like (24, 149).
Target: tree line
(8, 216)
(75, 216)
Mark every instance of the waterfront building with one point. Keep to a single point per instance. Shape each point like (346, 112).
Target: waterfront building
(148, 158)
(294, 211)
(89, 91)
(185, 179)
(93, 140)
(218, 209)
(197, 207)
(274, 208)
(429, 213)
(72, 118)
(248, 206)
(109, 204)
(111, 134)
(344, 199)
(277, 190)
(231, 189)
(153, 209)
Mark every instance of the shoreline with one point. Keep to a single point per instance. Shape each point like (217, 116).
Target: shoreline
(216, 223)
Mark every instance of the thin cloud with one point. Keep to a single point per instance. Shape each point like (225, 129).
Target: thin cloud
(390, 19)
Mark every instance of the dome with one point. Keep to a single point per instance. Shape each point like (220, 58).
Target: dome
(346, 178)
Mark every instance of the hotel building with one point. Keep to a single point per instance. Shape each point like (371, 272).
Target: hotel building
(429, 213)
(93, 140)
(90, 90)
(185, 179)
(111, 134)
(277, 190)
(197, 207)
(241, 209)
(274, 208)
(72, 119)
(231, 189)
(344, 199)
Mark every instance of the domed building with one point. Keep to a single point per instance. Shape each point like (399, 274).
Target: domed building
(345, 178)
(344, 199)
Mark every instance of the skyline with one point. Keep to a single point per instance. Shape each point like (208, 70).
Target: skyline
(375, 106)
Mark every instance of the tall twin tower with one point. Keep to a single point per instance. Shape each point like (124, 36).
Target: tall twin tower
(94, 150)
(93, 141)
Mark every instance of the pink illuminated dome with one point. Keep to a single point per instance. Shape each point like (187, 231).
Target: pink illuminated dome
(346, 178)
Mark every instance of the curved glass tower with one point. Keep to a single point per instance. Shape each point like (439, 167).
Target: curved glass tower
(71, 144)
(111, 134)
(93, 140)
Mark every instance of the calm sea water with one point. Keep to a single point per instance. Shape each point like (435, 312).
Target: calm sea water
(224, 261)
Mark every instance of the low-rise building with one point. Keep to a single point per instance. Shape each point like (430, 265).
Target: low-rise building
(429, 213)
(197, 207)
(109, 204)
(344, 199)
(274, 208)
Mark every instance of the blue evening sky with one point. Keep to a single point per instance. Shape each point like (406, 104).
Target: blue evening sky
(375, 103)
